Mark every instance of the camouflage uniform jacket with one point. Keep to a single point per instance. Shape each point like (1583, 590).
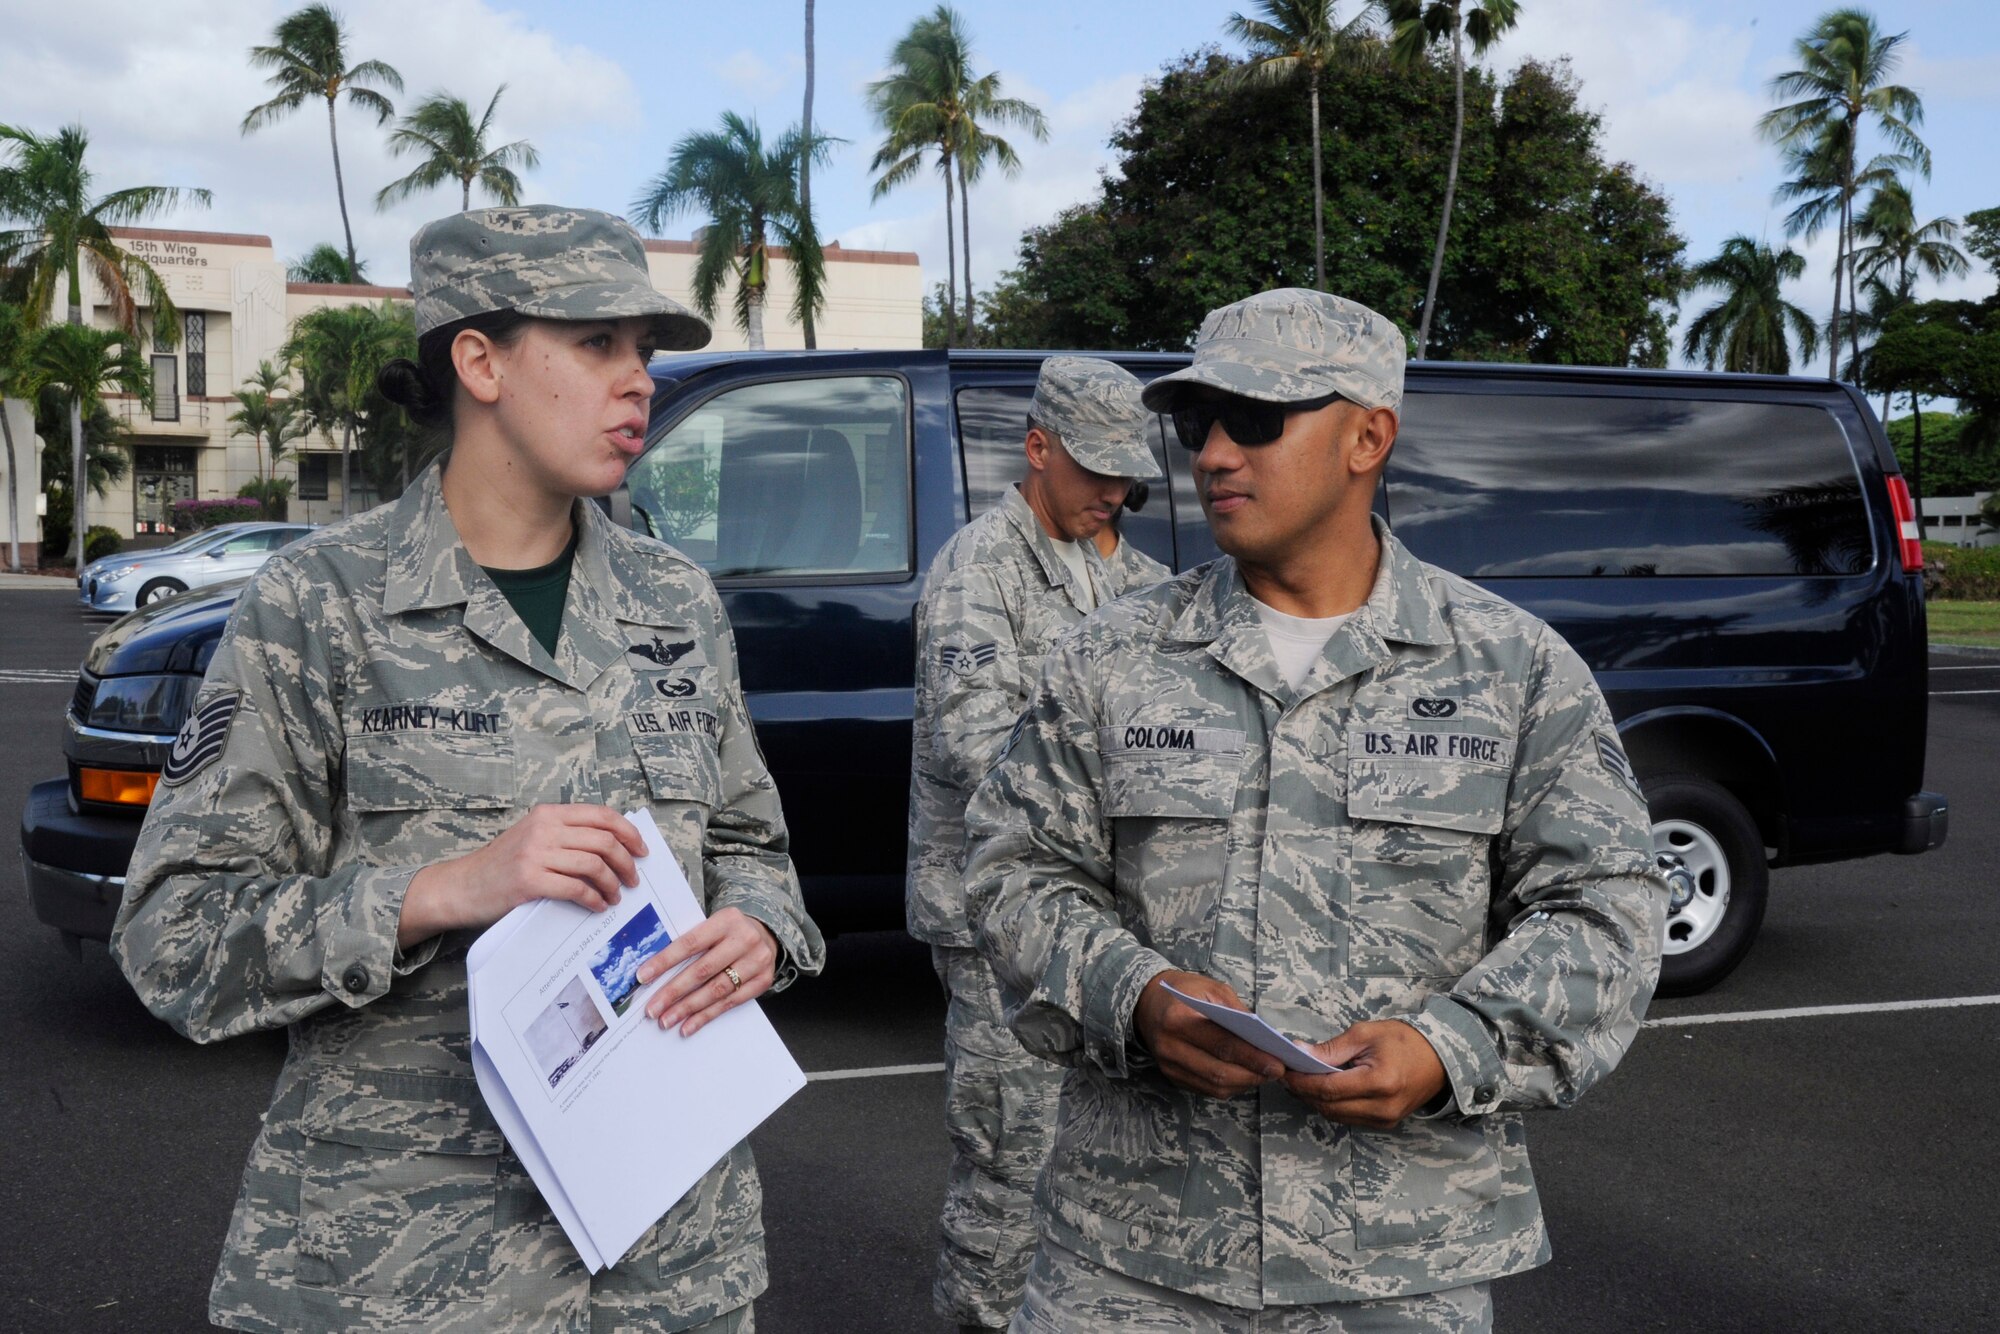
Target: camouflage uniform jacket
(1439, 826)
(383, 708)
(1132, 569)
(997, 597)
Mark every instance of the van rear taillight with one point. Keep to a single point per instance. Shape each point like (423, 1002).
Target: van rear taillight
(1909, 537)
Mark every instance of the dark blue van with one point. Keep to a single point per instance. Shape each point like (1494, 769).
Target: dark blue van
(1734, 556)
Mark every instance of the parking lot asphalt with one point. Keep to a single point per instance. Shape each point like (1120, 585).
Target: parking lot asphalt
(1828, 1171)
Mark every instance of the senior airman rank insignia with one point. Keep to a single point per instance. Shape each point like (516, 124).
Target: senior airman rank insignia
(964, 660)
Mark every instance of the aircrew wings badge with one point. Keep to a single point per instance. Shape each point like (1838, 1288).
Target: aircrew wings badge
(964, 660)
(200, 739)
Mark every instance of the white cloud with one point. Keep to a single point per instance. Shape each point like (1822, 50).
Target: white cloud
(183, 82)
(1973, 78)
(748, 73)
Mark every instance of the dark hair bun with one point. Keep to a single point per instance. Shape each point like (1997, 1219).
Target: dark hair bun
(404, 383)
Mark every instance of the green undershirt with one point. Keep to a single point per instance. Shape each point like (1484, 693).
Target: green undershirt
(537, 595)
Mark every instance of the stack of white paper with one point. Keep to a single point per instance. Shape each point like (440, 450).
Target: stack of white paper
(614, 1118)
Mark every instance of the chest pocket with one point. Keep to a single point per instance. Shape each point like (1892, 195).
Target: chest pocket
(678, 766)
(427, 794)
(1425, 804)
(1170, 812)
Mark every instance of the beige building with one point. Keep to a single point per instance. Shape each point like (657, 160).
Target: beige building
(237, 308)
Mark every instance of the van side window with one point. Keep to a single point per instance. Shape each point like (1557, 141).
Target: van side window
(1496, 486)
(993, 423)
(786, 477)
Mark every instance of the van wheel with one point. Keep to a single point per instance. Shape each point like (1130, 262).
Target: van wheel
(159, 590)
(1713, 857)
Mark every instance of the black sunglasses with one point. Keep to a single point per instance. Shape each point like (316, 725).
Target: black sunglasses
(1249, 421)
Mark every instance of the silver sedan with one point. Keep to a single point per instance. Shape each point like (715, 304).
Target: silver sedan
(130, 580)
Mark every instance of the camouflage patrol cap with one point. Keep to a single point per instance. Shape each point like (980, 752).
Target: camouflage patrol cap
(1093, 407)
(1289, 345)
(542, 260)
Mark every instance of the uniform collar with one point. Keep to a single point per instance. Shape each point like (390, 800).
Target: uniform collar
(1022, 516)
(429, 567)
(1400, 609)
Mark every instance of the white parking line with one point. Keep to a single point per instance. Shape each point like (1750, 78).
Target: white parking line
(1994, 667)
(1965, 692)
(1737, 1017)
(1817, 1011)
(877, 1072)
(22, 676)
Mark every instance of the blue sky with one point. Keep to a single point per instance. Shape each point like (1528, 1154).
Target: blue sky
(604, 89)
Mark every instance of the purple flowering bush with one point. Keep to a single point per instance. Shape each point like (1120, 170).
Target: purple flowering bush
(190, 515)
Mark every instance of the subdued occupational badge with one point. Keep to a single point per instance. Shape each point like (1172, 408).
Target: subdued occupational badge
(964, 660)
(1612, 756)
(1431, 706)
(200, 739)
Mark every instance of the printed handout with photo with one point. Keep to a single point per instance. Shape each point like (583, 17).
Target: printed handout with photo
(559, 1036)
(616, 966)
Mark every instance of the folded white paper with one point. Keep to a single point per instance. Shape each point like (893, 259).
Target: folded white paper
(1256, 1031)
(613, 1117)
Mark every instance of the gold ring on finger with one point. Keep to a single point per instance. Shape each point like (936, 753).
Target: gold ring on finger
(735, 978)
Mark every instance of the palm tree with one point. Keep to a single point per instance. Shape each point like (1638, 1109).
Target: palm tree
(13, 363)
(307, 58)
(750, 196)
(1302, 37)
(272, 421)
(45, 185)
(1417, 26)
(454, 149)
(325, 264)
(1844, 62)
(1898, 244)
(805, 165)
(931, 103)
(1818, 189)
(78, 361)
(338, 351)
(1745, 331)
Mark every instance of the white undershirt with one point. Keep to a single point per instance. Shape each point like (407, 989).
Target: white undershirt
(1072, 558)
(1296, 641)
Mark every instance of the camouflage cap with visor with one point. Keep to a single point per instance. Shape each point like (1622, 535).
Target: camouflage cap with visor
(1292, 345)
(546, 261)
(1093, 407)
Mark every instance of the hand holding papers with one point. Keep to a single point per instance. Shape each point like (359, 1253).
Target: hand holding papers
(613, 1117)
(1255, 1031)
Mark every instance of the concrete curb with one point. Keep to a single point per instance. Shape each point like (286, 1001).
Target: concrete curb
(61, 584)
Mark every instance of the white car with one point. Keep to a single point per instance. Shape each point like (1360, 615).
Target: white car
(130, 580)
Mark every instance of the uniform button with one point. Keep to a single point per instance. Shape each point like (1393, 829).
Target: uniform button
(355, 980)
(1484, 1093)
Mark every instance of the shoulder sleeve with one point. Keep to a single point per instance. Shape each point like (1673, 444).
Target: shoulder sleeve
(1553, 1008)
(746, 851)
(970, 657)
(233, 917)
(1039, 880)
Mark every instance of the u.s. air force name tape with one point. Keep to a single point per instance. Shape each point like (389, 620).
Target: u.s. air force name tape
(200, 739)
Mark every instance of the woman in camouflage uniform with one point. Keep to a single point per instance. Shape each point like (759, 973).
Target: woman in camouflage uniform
(403, 735)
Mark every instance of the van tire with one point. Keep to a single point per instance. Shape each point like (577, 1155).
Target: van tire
(1709, 845)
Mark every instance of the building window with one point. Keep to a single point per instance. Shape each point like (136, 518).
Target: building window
(160, 343)
(312, 476)
(166, 388)
(161, 475)
(196, 335)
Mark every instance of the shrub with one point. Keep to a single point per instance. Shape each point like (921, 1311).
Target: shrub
(100, 542)
(273, 497)
(1961, 574)
(193, 515)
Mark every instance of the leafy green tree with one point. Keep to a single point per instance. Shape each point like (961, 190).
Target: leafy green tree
(265, 416)
(79, 362)
(750, 197)
(1745, 331)
(1982, 236)
(451, 147)
(46, 186)
(932, 103)
(325, 264)
(1943, 349)
(1304, 38)
(1561, 257)
(307, 58)
(338, 351)
(1953, 464)
(1841, 82)
(1418, 26)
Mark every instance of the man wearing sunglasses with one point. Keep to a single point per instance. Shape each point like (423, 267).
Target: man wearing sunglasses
(1371, 802)
(1000, 592)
